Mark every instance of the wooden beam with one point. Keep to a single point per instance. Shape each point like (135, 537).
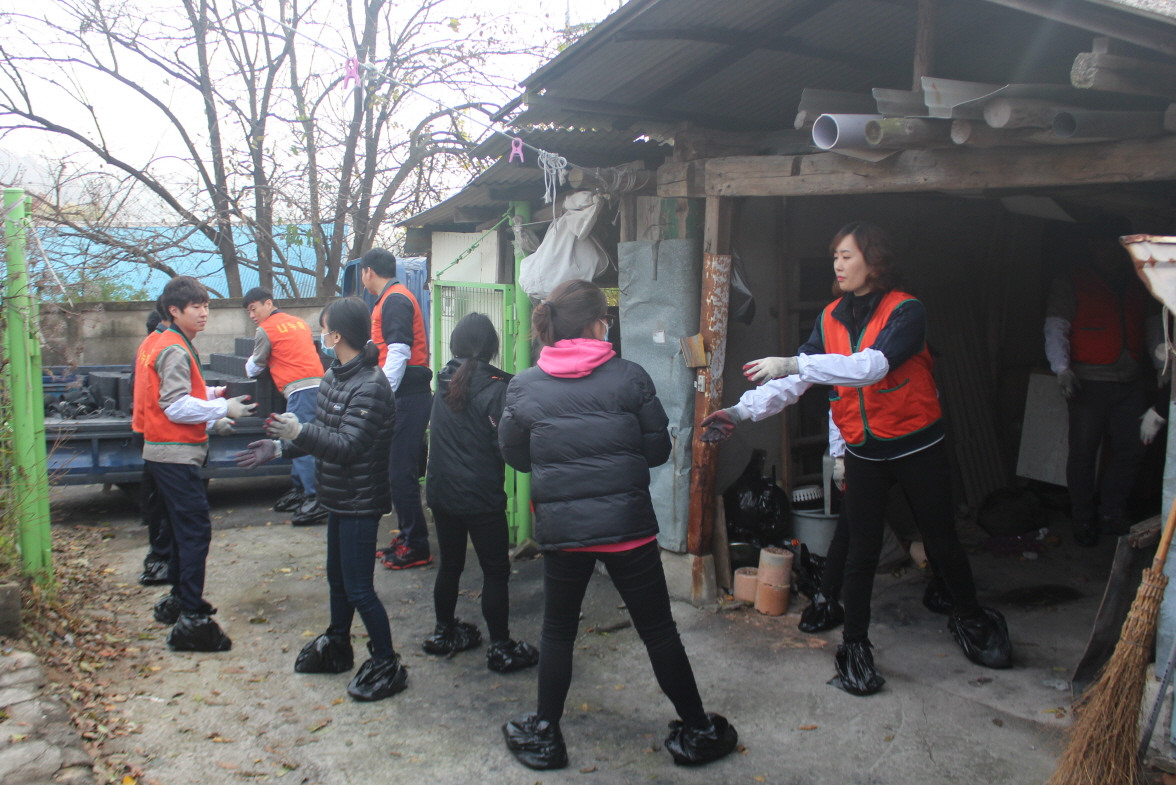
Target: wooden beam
(1104, 21)
(961, 169)
(716, 294)
(924, 62)
(630, 178)
(680, 180)
(1097, 71)
(476, 215)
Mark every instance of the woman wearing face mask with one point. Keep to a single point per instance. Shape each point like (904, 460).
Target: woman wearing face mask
(870, 346)
(588, 425)
(350, 439)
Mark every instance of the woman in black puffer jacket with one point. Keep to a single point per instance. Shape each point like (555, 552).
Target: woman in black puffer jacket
(350, 440)
(588, 425)
(464, 489)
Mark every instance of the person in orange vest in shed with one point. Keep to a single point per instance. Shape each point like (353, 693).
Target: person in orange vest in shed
(398, 330)
(284, 344)
(1099, 323)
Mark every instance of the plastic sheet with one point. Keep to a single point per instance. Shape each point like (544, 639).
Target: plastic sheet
(742, 305)
(984, 638)
(758, 510)
(378, 678)
(452, 638)
(807, 570)
(855, 669)
(510, 655)
(536, 744)
(936, 597)
(326, 654)
(694, 746)
(823, 613)
(198, 632)
(155, 571)
(167, 609)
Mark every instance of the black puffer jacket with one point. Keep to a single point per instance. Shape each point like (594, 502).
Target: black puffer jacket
(350, 439)
(588, 443)
(466, 470)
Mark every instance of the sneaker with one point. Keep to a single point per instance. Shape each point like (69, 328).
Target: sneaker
(823, 613)
(936, 597)
(856, 673)
(397, 542)
(984, 637)
(328, 653)
(167, 609)
(198, 632)
(510, 655)
(696, 746)
(535, 743)
(155, 571)
(378, 678)
(289, 501)
(452, 638)
(311, 513)
(405, 558)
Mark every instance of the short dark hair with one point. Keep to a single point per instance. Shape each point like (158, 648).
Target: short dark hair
(153, 320)
(881, 263)
(380, 261)
(181, 292)
(349, 316)
(257, 295)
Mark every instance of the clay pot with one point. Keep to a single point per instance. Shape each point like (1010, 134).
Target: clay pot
(775, 567)
(772, 600)
(746, 582)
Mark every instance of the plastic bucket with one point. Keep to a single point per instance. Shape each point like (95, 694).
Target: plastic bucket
(815, 529)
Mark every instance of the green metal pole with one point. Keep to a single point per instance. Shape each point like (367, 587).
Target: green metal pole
(27, 472)
(40, 446)
(522, 362)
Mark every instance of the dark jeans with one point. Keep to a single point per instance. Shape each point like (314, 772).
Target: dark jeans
(925, 477)
(412, 420)
(834, 571)
(302, 405)
(154, 514)
(639, 578)
(492, 546)
(190, 528)
(350, 545)
(1114, 409)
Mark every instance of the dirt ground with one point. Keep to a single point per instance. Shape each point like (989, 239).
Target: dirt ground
(244, 715)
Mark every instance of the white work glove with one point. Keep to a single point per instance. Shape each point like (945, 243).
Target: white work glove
(760, 371)
(1149, 426)
(1069, 384)
(283, 426)
(839, 473)
(258, 453)
(238, 407)
(222, 427)
(219, 392)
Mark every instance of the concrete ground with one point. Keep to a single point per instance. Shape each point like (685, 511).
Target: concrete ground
(244, 714)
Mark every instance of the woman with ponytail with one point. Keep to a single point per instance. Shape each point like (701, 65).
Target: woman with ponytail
(464, 489)
(350, 439)
(588, 426)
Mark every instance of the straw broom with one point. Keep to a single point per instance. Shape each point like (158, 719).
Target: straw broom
(1102, 744)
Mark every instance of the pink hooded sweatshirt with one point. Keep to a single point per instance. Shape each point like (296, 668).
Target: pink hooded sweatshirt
(574, 359)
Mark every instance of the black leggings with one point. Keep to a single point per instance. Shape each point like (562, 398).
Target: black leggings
(925, 477)
(492, 545)
(639, 578)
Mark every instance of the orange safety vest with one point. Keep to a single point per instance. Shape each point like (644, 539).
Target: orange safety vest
(157, 428)
(420, 344)
(139, 390)
(293, 357)
(1106, 323)
(904, 402)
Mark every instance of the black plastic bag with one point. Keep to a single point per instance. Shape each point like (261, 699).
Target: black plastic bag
(936, 597)
(535, 743)
(1011, 511)
(198, 632)
(326, 654)
(855, 669)
(823, 613)
(742, 301)
(758, 510)
(695, 747)
(378, 678)
(984, 638)
(807, 569)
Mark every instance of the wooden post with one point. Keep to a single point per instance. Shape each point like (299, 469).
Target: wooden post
(924, 43)
(716, 293)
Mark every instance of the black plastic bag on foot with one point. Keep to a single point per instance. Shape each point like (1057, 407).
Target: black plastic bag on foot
(155, 571)
(535, 743)
(823, 613)
(984, 637)
(378, 678)
(936, 597)
(510, 655)
(167, 609)
(696, 746)
(855, 669)
(198, 632)
(452, 638)
(326, 654)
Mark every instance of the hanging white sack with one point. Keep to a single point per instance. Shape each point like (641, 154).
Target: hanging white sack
(567, 251)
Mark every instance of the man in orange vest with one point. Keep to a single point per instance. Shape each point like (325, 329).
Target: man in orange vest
(398, 330)
(177, 410)
(284, 344)
(1096, 340)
